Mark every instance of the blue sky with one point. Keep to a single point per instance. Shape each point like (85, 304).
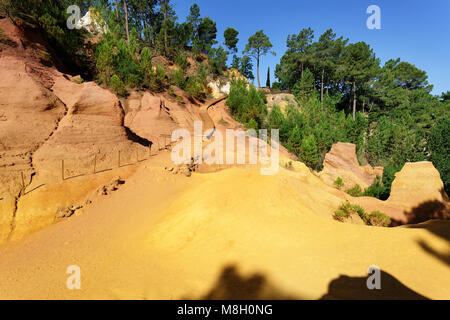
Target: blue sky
(416, 31)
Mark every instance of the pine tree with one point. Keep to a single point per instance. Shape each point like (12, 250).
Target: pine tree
(258, 45)
(308, 153)
(268, 78)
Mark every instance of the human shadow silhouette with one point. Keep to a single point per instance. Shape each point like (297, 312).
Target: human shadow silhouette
(440, 229)
(230, 285)
(355, 288)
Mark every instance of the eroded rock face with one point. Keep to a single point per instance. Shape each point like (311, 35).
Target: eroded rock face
(155, 116)
(341, 162)
(46, 118)
(419, 190)
(281, 100)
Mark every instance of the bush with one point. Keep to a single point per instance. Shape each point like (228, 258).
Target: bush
(147, 67)
(339, 183)
(178, 79)
(375, 218)
(78, 80)
(355, 191)
(159, 80)
(378, 219)
(171, 91)
(308, 151)
(440, 150)
(346, 209)
(193, 87)
(246, 104)
(181, 61)
(376, 189)
(117, 85)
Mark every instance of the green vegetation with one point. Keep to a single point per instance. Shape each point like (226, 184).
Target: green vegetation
(339, 183)
(375, 218)
(343, 91)
(379, 219)
(345, 95)
(355, 191)
(258, 45)
(247, 105)
(231, 39)
(440, 149)
(346, 209)
(49, 17)
(117, 85)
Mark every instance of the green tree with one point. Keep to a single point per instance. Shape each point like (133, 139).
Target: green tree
(235, 62)
(359, 65)
(194, 20)
(293, 63)
(258, 45)
(104, 61)
(147, 66)
(207, 33)
(268, 77)
(308, 153)
(440, 150)
(117, 85)
(217, 60)
(304, 87)
(231, 39)
(294, 143)
(246, 68)
(445, 96)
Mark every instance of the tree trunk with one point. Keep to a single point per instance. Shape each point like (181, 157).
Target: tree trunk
(363, 105)
(321, 85)
(257, 71)
(302, 70)
(354, 100)
(117, 10)
(165, 28)
(126, 21)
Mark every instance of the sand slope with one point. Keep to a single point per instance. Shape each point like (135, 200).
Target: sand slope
(233, 233)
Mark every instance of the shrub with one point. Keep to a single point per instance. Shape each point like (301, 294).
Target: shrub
(379, 219)
(171, 91)
(117, 85)
(181, 61)
(375, 218)
(159, 80)
(339, 183)
(193, 87)
(78, 80)
(178, 79)
(346, 209)
(376, 189)
(147, 67)
(440, 150)
(341, 215)
(247, 104)
(355, 191)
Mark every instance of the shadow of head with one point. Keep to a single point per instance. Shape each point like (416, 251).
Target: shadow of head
(354, 288)
(230, 285)
(440, 229)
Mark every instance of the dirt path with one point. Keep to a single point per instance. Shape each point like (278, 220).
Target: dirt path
(208, 122)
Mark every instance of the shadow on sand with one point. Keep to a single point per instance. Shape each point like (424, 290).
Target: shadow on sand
(231, 285)
(355, 288)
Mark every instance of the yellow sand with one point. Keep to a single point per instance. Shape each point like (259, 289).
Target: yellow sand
(166, 236)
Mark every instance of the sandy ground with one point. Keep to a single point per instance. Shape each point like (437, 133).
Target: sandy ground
(229, 234)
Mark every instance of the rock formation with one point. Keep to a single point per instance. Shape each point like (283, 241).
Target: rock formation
(419, 191)
(341, 162)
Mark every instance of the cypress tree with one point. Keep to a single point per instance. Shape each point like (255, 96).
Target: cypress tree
(268, 78)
